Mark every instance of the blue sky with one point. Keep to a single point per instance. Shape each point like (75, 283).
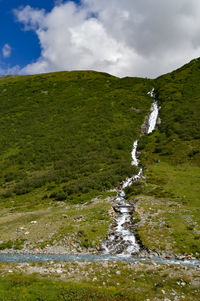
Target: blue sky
(121, 37)
(25, 47)
(25, 44)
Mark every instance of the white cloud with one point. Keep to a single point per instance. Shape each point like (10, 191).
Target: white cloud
(6, 51)
(136, 38)
(9, 70)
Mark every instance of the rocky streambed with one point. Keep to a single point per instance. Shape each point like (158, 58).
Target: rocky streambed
(122, 237)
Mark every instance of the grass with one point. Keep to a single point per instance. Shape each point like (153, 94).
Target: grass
(171, 202)
(181, 181)
(98, 281)
(75, 228)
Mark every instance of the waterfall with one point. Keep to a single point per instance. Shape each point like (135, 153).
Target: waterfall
(121, 239)
(153, 115)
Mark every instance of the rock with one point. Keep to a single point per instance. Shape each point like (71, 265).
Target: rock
(116, 209)
(145, 126)
(33, 222)
(118, 272)
(26, 233)
(135, 110)
(59, 271)
(100, 248)
(64, 216)
(20, 229)
(195, 283)
(78, 218)
(159, 120)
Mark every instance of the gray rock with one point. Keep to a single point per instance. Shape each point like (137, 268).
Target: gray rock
(135, 110)
(159, 120)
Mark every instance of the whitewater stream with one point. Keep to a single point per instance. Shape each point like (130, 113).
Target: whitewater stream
(121, 239)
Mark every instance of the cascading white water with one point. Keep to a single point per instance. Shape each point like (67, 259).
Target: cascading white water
(122, 240)
(153, 115)
(133, 154)
(151, 93)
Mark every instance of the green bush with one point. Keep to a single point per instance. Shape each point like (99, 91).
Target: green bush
(58, 195)
(6, 245)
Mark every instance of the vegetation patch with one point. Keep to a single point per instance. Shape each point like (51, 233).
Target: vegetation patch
(169, 204)
(98, 281)
(76, 137)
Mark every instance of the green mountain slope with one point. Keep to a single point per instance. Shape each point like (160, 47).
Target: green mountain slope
(172, 186)
(65, 138)
(75, 128)
(65, 144)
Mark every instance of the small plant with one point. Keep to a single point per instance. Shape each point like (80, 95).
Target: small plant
(58, 195)
(6, 245)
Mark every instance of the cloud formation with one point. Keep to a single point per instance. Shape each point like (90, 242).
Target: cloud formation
(135, 38)
(6, 51)
(6, 70)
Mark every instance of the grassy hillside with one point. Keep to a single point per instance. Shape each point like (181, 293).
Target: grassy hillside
(74, 128)
(65, 138)
(171, 157)
(65, 144)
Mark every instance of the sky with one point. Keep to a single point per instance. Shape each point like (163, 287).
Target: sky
(122, 37)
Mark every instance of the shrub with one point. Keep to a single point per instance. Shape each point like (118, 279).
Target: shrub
(58, 195)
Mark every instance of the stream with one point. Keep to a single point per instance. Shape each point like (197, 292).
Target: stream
(121, 238)
(28, 257)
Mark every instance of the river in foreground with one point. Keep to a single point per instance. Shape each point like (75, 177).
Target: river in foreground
(17, 258)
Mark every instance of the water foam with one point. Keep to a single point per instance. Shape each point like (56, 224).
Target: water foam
(123, 240)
